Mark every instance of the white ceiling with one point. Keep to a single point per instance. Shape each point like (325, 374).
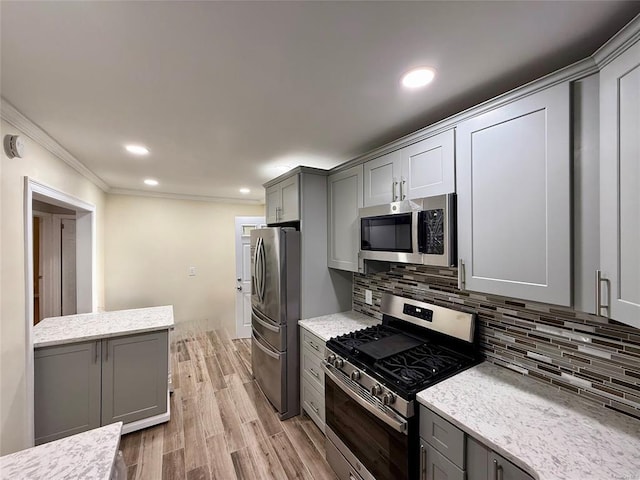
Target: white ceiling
(221, 91)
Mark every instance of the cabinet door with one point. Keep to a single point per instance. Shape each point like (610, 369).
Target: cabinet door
(619, 181)
(513, 186)
(428, 167)
(273, 201)
(503, 469)
(134, 377)
(435, 466)
(290, 200)
(381, 177)
(345, 198)
(66, 390)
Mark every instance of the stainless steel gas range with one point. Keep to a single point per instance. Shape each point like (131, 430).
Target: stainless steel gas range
(372, 377)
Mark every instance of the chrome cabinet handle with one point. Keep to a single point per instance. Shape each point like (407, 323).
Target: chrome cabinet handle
(95, 360)
(599, 305)
(314, 373)
(394, 189)
(313, 345)
(403, 195)
(423, 462)
(461, 274)
(314, 408)
(107, 352)
(498, 473)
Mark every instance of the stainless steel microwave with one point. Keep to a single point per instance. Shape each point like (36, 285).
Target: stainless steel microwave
(418, 231)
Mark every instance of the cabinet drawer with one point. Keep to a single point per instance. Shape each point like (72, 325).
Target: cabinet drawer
(312, 368)
(314, 343)
(434, 465)
(442, 435)
(313, 403)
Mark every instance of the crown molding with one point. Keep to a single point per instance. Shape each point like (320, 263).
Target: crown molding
(180, 196)
(575, 71)
(12, 116)
(617, 44)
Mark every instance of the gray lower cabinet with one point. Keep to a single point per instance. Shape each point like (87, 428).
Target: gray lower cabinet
(67, 390)
(134, 377)
(312, 377)
(80, 386)
(447, 453)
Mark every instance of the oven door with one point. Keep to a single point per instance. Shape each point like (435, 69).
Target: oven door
(375, 440)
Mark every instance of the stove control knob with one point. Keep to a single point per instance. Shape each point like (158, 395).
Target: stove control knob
(338, 363)
(388, 398)
(331, 358)
(376, 390)
(355, 375)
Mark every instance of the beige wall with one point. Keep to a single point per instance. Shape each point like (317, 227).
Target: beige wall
(45, 168)
(150, 243)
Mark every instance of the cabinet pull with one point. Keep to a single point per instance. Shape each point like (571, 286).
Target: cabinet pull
(314, 373)
(423, 463)
(599, 282)
(498, 473)
(107, 352)
(394, 189)
(95, 358)
(314, 408)
(313, 345)
(461, 274)
(403, 195)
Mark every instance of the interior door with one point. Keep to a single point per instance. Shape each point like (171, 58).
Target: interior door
(68, 265)
(244, 225)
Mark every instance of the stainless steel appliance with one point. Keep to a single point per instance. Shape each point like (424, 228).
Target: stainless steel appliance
(411, 231)
(275, 311)
(372, 377)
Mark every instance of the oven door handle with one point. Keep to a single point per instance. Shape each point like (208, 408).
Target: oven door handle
(398, 425)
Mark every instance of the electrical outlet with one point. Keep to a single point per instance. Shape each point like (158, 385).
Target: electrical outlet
(192, 271)
(368, 297)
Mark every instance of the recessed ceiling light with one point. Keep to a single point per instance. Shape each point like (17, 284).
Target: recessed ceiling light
(245, 191)
(418, 77)
(151, 182)
(137, 149)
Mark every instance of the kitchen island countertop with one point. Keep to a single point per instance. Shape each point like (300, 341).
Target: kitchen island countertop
(91, 326)
(328, 326)
(88, 455)
(551, 434)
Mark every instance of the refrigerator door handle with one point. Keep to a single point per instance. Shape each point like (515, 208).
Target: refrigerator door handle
(265, 321)
(263, 270)
(266, 351)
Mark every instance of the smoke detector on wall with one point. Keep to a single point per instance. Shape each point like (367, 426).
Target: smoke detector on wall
(13, 146)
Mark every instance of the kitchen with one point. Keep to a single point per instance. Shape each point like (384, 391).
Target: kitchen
(544, 329)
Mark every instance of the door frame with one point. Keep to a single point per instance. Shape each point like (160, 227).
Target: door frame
(85, 269)
(239, 223)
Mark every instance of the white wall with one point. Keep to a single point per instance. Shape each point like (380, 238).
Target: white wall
(40, 165)
(150, 243)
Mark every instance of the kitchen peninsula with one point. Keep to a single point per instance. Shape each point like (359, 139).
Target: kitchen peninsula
(95, 369)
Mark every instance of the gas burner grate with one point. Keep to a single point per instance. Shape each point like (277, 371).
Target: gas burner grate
(419, 365)
(351, 341)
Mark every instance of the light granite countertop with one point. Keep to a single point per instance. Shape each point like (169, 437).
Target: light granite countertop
(328, 326)
(550, 434)
(92, 326)
(88, 455)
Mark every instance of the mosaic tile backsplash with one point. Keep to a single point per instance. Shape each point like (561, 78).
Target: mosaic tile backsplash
(597, 358)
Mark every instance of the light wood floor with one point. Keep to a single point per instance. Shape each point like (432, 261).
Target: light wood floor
(222, 426)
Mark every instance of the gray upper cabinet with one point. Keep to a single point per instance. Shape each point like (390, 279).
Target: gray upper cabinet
(423, 169)
(514, 205)
(381, 176)
(283, 201)
(428, 167)
(619, 192)
(134, 377)
(66, 390)
(345, 198)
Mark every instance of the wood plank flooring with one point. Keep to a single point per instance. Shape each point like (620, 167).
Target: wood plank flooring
(222, 426)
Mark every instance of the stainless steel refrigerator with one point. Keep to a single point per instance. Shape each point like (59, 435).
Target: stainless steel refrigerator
(275, 311)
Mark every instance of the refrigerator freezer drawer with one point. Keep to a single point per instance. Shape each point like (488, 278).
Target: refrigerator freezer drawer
(274, 335)
(269, 369)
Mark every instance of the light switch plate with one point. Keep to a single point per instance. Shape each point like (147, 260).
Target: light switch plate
(368, 297)
(192, 271)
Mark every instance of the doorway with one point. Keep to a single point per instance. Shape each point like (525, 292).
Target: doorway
(54, 261)
(244, 225)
